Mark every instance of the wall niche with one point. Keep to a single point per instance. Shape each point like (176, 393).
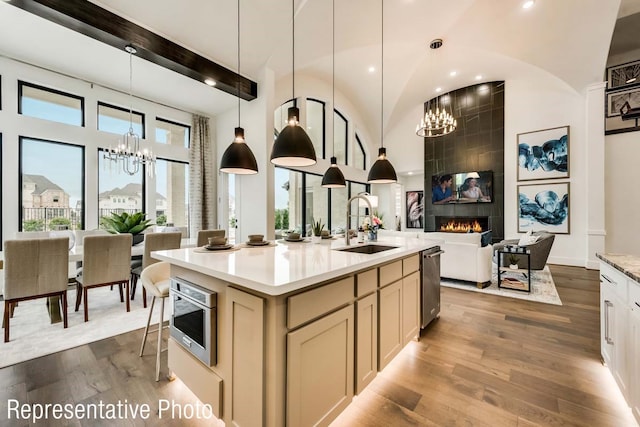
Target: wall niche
(476, 145)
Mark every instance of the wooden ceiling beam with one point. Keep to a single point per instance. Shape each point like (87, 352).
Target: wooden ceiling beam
(100, 24)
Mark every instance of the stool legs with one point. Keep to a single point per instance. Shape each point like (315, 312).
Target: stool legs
(146, 329)
(159, 339)
(159, 330)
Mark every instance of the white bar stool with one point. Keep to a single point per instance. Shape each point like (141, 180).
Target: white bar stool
(155, 279)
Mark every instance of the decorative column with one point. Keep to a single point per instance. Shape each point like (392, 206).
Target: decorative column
(595, 185)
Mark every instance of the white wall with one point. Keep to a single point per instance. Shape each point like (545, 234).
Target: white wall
(13, 125)
(539, 101)
(622, 198)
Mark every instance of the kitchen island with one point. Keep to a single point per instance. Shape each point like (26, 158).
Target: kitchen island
(301, 327)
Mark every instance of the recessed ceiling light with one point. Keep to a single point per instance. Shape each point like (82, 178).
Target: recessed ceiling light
(438, 89)
(631, 80)
(528, 4)
(478, 77)
(453, 73)
(409, 173)
(210, 82)
(372, 69)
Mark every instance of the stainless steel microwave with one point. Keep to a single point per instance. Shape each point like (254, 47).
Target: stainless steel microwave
(194, 319)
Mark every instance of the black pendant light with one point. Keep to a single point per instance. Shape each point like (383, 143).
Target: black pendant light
(293, 147)
(333, 177)
(238, 157)
(382, 172)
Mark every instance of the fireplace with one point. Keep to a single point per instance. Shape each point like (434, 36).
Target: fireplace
(462, 224)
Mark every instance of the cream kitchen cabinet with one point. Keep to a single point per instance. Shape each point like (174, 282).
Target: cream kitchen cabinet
(634, 362)
(390, 339)
(366, 329)
(613, 324)
(320, 360)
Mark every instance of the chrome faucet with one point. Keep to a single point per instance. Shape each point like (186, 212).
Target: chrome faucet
(357, 196)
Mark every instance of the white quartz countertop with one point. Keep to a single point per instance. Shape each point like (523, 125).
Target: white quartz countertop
(286, 266)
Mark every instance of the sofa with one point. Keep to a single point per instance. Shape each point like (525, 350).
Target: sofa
(464, 258)
(539, 250)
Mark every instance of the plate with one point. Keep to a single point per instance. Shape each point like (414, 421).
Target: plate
(295, 240)
(263, 243)
(327, 237)
(218, 247)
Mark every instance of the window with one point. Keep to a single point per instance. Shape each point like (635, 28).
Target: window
(172, 193)
(172, 133)
(359, 156)
(315, 126)
(339, 197)
(288, 200)
(316, 202)
(116, 120)
(340, 135)
(118, 191)
(50, 104)
(52, 196)
(233, 220)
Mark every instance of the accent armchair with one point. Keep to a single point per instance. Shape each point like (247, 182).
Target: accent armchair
(539, 250)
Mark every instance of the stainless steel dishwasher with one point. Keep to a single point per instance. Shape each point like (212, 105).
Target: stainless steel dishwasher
(430, 292)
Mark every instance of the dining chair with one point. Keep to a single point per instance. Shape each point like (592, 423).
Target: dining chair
(156, 280)
(153, 242)
(34, 268)
(203, 236)
(106, 261)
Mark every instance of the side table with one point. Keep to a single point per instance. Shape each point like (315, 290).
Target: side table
(509, 282)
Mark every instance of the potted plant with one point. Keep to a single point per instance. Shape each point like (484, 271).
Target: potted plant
(125, 223)
(317, 227)
(513, 261)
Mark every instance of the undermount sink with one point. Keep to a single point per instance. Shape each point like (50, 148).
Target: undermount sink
(367, 249)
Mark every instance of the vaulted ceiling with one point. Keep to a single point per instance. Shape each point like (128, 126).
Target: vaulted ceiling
(498, 39)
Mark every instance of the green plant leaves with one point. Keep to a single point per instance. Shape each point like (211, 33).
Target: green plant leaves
(125, 223)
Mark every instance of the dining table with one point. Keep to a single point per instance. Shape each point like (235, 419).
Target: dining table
(54, 304)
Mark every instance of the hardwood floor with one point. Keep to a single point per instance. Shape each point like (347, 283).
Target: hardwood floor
(494, 361)
(488, 361)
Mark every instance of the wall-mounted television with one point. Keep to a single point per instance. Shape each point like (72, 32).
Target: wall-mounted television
(462, 187)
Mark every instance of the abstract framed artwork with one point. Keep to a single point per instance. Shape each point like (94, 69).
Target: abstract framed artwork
(622, 98)
(544, 207)
(543, 154)
(414, 208)
(623, 75)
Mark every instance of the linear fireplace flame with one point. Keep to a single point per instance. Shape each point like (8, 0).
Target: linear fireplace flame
(456, 226)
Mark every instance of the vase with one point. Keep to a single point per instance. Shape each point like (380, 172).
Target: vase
(373, 236)
(137, 238)
(316, 239)
(513, 266)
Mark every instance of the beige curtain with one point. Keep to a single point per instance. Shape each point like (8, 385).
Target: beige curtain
(202, 177)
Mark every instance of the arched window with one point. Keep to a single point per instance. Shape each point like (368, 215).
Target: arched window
(359, 155)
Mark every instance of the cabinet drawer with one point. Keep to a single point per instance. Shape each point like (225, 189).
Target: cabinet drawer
(634, 295)
(366, 282)
(410, 264)
(390, 273)
(203, 382)
(614, 279)
(314, 303)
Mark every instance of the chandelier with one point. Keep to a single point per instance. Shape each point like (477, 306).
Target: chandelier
(128, 152)
(438, 123)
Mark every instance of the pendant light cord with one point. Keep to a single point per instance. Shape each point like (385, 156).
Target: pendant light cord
(238, 80)
(333, 77)
(131, 90)
(293, 52)
(382, 74)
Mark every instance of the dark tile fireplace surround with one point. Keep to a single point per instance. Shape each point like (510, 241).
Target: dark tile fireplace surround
(476, 145)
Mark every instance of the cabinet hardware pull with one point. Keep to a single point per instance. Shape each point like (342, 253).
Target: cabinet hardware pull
(607, 304)
(606, 278)
(435, 254)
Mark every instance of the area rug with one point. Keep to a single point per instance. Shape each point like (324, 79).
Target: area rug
(543, 289)
(32, 334)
